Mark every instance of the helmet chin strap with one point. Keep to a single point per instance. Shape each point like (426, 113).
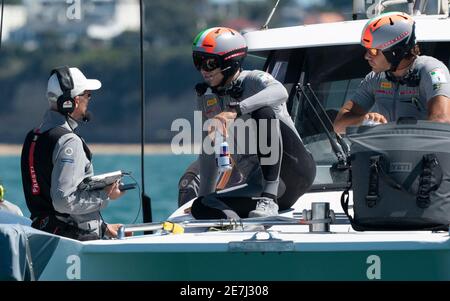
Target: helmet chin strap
(394, 60)
(411, 78)
(234, 88)
(227, 76)
(393, 68)
(201, 88)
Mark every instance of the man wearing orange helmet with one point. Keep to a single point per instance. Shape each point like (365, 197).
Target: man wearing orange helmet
(402, 83)
(228, 94)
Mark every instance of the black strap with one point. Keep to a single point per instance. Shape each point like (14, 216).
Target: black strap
(64, 78)
(86, 149)
(372, 193)
(345, 197)
(430, 165)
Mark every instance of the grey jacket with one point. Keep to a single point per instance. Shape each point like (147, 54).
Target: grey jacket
(70, 167)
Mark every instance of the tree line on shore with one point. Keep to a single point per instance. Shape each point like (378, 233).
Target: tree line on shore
(170, 27)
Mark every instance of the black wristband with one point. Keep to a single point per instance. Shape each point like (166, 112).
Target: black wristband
(235, 105)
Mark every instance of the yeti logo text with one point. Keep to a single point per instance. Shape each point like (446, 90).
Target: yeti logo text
(73, 271)
(74, 10)
(374, 269)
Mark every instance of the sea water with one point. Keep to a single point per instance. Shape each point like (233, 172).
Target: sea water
(162, 173)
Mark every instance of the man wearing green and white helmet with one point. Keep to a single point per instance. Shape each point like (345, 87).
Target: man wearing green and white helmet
(402, 82)
(228, 94)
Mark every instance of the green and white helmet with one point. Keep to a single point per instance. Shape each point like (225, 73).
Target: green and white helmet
(219, 47)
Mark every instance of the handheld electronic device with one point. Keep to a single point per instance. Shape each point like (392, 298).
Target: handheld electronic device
(102, 180)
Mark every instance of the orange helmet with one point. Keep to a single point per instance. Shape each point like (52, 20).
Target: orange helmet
(393, 33)
(219, 47)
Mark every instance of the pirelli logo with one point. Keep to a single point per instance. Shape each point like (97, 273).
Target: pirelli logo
(400, 167)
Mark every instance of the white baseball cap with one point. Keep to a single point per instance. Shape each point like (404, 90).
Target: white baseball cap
(80, 84)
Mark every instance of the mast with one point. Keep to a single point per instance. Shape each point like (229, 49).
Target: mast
(146, 200)
(266, 25)
(1, 24)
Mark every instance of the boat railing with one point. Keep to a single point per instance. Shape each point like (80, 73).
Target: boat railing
(318, 219)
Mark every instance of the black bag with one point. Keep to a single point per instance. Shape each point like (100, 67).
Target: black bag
(400, 176)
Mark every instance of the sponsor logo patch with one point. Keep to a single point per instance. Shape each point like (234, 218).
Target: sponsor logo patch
(184, 183)
(211, 102)
(68, 151)
(384, 92)
(437, 78)
(409, 92)
(386, 85)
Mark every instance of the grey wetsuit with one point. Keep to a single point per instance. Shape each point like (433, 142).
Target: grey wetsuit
(263, 97)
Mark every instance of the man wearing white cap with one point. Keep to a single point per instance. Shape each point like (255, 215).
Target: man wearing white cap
(55, 161)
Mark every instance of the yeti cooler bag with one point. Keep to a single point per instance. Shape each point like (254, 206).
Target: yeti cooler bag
(400, 176)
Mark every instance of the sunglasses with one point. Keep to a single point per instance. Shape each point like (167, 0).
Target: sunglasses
(206, 63)
(373, 51)
(88, 94)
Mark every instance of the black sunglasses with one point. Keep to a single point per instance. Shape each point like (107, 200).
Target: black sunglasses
(207, 63)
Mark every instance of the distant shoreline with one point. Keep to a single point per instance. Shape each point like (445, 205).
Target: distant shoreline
(127, 149)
